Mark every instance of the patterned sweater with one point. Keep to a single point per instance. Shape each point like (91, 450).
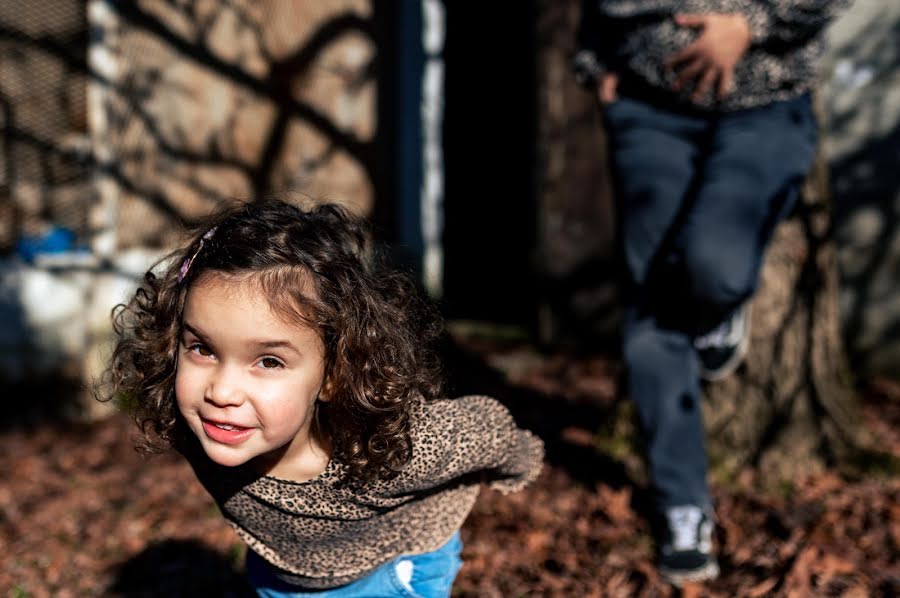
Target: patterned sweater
(635, 37)
(322, 534)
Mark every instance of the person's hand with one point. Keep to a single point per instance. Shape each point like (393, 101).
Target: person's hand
(711, 58)
(606, 88)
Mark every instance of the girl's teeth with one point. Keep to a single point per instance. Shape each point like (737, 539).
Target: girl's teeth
(225, 427)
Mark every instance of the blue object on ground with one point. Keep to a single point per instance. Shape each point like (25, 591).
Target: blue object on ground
(56, 240)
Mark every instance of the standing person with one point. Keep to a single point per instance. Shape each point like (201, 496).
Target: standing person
(711, 131)
(296, 377)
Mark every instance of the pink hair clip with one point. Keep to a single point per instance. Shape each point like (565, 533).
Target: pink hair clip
(186, 264)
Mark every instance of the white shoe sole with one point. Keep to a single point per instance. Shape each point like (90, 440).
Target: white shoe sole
(678, 578)
(728, 368)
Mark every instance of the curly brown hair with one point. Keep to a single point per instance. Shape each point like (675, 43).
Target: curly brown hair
(377, 331)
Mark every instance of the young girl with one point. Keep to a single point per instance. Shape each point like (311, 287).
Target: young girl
(297, 378)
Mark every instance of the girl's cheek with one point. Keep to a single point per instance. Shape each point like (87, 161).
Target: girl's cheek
(182, 385)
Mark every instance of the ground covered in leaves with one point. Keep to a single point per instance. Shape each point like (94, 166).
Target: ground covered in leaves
(81, 514)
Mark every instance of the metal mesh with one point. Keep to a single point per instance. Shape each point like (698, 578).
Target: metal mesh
(45, 167)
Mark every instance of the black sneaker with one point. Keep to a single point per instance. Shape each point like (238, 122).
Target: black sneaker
(722, 350)
(685, 548)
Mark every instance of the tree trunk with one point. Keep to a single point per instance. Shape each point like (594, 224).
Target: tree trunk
(790, 409)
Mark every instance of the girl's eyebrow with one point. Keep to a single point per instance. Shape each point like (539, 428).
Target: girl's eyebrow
(263, 344)
(277, 344)
(194, 331)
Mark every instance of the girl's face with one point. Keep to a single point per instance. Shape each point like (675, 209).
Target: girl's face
(247, 380)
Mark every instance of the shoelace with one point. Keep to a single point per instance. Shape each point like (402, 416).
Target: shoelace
(683, 522)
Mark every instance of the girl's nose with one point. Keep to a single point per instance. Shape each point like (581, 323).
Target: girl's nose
(225, 388)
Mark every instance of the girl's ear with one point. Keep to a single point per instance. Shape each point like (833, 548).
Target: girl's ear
(325, 393)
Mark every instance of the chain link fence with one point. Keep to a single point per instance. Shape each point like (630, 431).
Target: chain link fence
(45, 158)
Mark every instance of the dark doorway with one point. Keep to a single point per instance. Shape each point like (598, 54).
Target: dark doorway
(489, 143)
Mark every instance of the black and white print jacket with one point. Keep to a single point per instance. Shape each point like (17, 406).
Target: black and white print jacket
(635, 37)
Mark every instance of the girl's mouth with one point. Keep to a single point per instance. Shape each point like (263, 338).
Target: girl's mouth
(226, 433)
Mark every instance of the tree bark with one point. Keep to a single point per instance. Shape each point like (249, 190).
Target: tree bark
(790, 410)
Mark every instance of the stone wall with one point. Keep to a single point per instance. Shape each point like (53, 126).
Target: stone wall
(204, 102)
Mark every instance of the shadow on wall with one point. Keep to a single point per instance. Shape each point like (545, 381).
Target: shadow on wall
(864, 139)
(197, 105)
(248, 112)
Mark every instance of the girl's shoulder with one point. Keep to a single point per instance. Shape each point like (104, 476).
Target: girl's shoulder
(468, 414)
(455, 432)
(466, 440)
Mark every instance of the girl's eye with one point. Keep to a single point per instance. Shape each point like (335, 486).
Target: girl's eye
(199, 349)
(270, 363)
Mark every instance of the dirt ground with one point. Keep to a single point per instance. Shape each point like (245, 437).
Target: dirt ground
(81, 514)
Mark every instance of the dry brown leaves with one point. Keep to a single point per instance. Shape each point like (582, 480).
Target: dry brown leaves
(82, 515)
